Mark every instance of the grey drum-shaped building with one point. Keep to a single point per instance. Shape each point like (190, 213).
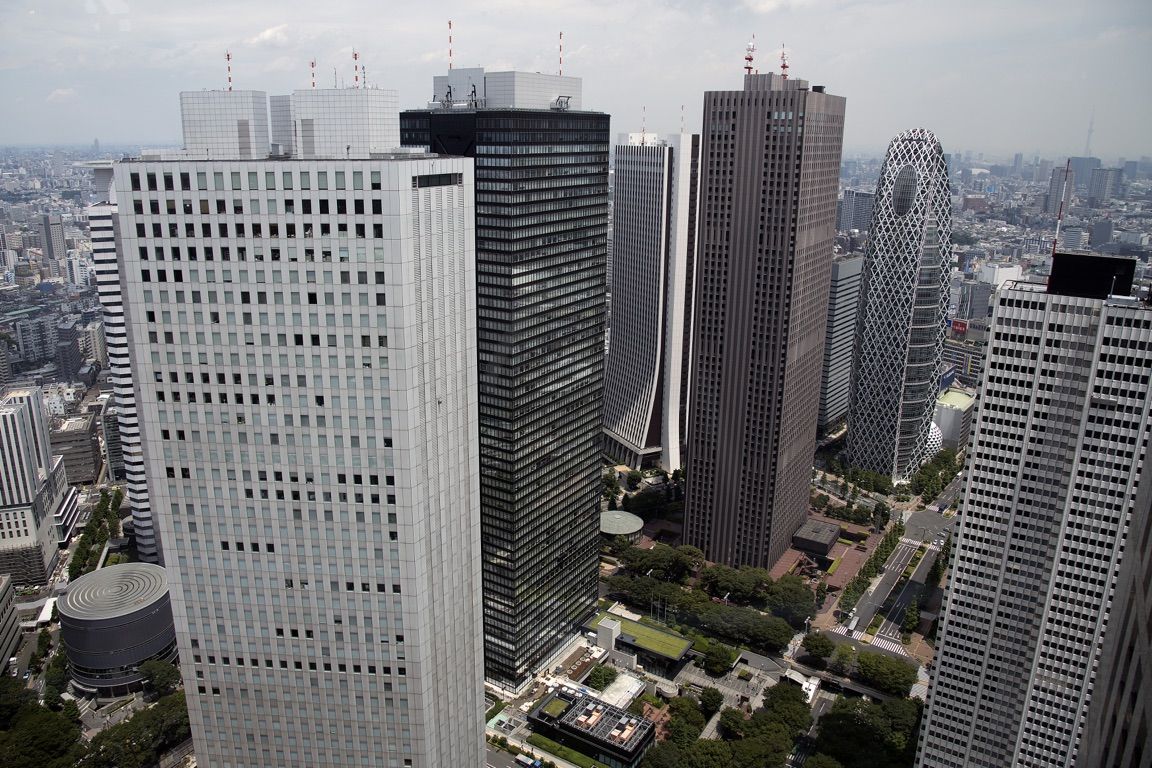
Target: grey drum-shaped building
(112, 621)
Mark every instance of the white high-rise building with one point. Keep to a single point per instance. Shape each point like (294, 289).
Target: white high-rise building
(1061, 437)
(654, 242)
(33, 487)
(303, 335)
(102, 223)
(904, 302)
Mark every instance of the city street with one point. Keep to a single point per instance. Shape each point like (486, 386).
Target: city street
(891, 627)
(872, 601)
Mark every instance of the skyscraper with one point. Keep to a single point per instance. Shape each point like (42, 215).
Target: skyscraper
(654, 236)
(856, 210)
(1118, 731)
(1060, 189)
(52, 238)
(1104, 185)
(770, 162)
(33, 487)
(904, 305)
(102, 225)
(839, 340)
(302, 335)
(1058, 446)
(541, 231)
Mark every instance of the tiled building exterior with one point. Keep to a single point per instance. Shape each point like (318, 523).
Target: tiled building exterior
(303, 337)
(770, 163)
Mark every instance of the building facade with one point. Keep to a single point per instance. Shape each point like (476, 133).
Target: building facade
(1060, 189)
(541, 232)
(303, 335)
(1057, 450)
(102, 222)
(903, 310)
(856, 210)
(770, 163)
(33, 487)
(654, 240)
(839, 341)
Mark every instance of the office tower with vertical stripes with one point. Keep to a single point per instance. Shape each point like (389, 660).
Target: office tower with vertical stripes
(541, 248)
(302, 337)
(1060, 447)
(769, 171)
(839, 341)
(903, 308)
(654, 237)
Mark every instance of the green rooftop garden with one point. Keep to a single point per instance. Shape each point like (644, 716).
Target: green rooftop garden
(555, 708)
(659, 642)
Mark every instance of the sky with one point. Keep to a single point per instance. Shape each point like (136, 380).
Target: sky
(987, 76)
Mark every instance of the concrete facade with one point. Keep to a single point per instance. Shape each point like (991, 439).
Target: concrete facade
(307, 398)
(654, 239)
(767, 225)
(839, 341)
(1057, 451)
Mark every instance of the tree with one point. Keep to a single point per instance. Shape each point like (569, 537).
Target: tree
(71, 710)
(612, 502)
(790, 599)
(859, 734)
(822, 761)
(634, 479)
(682, 733)
(160, 677)
(39, 738)
(710, 701)
(881, 514)
(600, 677)
(911, 618)
(885, 673)
(820, 501)
(664, 755)
(842, 659)
(709, 754)
(140, 740)
(818, 645)
(733, 724)
(718, 659)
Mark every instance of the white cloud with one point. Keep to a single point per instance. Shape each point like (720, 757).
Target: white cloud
(273, 36)
(61, 94)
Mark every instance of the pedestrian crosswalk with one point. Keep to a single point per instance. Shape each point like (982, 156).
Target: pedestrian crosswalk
(895, 646)
(885, 643)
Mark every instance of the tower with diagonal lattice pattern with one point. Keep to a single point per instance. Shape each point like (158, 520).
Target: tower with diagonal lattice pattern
(901, 324)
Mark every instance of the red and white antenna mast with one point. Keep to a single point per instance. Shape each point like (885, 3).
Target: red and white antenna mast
(355, 69)
(449, 43)
(561, 54)
(312, 66)
(228, 58)
(748, 55)
(783, 62)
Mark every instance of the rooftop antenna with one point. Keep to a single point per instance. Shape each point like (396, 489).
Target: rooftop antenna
(228, 58)
(1088, 141)
(335, 82)
(681, 118)
(644, 125)
(1063, 194)
(783, 62)
(561, 54)
(749, 50)
(355, 69)
(449, 44)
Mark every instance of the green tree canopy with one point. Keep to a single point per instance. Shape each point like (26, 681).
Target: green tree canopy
(601, 677)
(160, 677)
(885, 673)
(818, 645)
(710, 701)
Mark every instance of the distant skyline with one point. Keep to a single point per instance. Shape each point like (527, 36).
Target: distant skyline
(987, 76)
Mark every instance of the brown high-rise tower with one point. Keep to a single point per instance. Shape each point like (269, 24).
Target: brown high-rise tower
(770, 163)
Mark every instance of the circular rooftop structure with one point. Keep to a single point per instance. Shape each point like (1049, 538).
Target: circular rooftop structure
(616, 522)
(113, 620)
(113, 591)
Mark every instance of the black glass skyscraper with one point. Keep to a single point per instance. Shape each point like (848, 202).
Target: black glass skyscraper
(541, 252)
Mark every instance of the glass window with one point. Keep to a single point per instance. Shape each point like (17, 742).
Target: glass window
(270, 179)
(286, 179)
(218, 180)
(253, 180)
(375, 179)
(321, 179)
(305, 180)
(235, 179)
(340, 180)
(201, 180)
(357, 180)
